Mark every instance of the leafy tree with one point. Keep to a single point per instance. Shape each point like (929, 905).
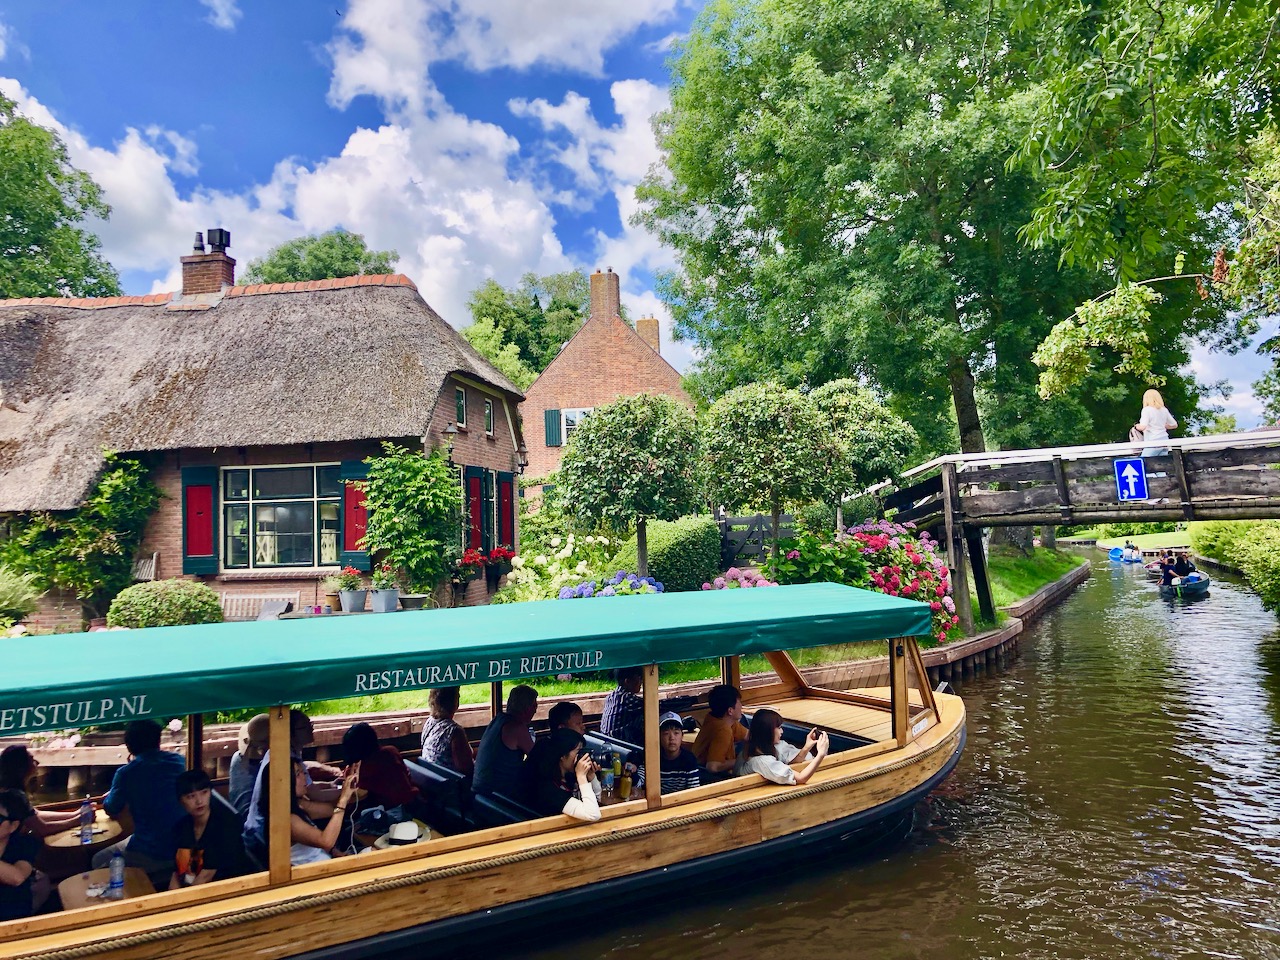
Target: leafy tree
(875, 444)
(44, 250)
(1221, 423)
(415, 513)
(837, 191)
(336, 253)
(632, 461)
(538, 316)
(88, 551)
(505, 356)
(766, 446)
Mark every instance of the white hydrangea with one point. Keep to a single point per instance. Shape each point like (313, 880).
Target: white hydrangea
(556, 541)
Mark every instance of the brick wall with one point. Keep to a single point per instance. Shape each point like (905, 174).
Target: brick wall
(207, 273)
(59, 611)
(605, 360)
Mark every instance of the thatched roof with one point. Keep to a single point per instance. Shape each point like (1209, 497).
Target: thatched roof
(350, 359)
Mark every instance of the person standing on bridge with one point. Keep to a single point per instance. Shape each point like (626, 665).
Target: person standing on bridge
(1155, 424)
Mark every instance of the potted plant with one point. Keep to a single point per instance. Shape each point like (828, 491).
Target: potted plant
(465, 569)
(386, 592)
(499, 563)
(351, 590)
(415, 600)
(331, 588)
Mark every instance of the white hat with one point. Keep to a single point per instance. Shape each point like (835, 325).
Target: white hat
(255, 736)
(670, 717)
(401, 834)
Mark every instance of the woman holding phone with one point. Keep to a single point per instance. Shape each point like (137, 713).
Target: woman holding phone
(770, 756)
(311, 844)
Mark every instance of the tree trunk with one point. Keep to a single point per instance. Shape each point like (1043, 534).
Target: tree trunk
(966, 404)
(642, 548)
(777, 513)
(1049, 536)
(840, 517)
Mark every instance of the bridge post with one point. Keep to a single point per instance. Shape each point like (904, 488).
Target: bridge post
(956, 547)
(981, 581)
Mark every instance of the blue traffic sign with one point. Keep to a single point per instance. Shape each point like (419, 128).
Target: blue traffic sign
(1131, 479)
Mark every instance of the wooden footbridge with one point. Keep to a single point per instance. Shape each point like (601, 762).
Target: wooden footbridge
(1220, 477)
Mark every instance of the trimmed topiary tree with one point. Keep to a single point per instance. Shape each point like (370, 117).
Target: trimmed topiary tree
(165, 603)
(766, 446)
(632, 461)
(683, 554)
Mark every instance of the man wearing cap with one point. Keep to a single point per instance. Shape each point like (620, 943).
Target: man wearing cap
(678, 764)
(245, 762)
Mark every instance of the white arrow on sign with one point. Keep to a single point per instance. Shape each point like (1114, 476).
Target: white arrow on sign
(1130, 476)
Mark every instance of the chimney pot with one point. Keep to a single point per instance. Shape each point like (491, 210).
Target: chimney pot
(199, 244)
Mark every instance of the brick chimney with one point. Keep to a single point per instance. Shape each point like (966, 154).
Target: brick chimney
(606, 296)
(209, 272)
(647, 327)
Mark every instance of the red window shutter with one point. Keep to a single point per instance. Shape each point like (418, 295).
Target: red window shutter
(355, 518)
(199, 520)
(506, 510)
(475, 509)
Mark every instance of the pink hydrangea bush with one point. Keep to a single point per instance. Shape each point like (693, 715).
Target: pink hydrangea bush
(735, 579)
(904, 562)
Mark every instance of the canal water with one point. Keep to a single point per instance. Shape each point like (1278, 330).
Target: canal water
(1119, 798)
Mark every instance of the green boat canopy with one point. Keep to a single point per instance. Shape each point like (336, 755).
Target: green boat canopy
(116, 676)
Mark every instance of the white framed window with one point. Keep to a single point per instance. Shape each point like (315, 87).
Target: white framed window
(488, 418)
(571, 418)
(460, 402)
(281, 516)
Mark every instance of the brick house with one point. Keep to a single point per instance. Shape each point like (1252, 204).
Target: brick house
(604, 360)
(256, 406)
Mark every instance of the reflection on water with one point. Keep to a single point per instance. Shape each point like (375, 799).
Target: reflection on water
(1119, 798)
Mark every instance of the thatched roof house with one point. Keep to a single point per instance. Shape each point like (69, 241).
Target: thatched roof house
(220, 369)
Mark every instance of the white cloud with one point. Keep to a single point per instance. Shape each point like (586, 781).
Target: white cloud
(223, 14)
(5, 32)
(666, 44)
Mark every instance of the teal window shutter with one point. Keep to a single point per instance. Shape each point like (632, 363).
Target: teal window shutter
(200, 520)
(553, 427)
(354, 517)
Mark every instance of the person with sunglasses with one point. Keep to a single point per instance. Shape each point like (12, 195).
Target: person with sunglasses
(18, 852)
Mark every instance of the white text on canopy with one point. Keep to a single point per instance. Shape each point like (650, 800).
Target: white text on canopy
(474, 671)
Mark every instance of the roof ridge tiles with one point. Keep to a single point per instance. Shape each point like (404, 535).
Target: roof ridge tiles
(333, 283)
(90, 303)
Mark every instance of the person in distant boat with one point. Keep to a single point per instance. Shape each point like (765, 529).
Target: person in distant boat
(505, 743)
(209, 846)
(1183, 565)
(771, 756)
(145, 787)
(1155, 424)
(623, 715)
(310, 844)
(563, 779)
(443, 739)
(18, 851)
(384, 779)
(716, 743)
(1166, 570)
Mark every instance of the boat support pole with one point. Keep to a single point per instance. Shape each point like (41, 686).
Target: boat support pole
(495, 699)
(652, 749)
(280, 770)
(195, 741)
(898, 689)
(731, 671)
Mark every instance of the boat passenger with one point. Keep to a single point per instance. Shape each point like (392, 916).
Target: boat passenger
(1166, 570)
(384, 779)
(443, 740)
(771, 756)
(18, 852)
(505, 743)
(623, 715)
(716, 744)
(17, 767)
(564, 779)
(207, 838)
(310, 844)
(146, 787)
(564, 714)
(678, 764)
(320, 795)
(254, 739)
(1183, 565)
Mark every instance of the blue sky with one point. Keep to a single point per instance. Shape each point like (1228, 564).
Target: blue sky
(478, 139)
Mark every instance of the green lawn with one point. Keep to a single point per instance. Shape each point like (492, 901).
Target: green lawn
(1014, 576)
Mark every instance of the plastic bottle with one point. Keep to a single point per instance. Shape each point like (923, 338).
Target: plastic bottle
(115, 886)
(624, 787)
(86, 821)
(617, 764)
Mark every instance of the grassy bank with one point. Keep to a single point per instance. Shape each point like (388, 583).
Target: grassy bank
(1014, 576)
(1150, 541)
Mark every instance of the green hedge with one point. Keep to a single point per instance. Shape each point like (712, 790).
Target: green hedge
(1219, 539)
(165, 603)
(1257, 553)
(683, 554)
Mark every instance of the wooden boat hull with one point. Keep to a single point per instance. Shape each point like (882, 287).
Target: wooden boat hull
(1193, 588)
(406, 898)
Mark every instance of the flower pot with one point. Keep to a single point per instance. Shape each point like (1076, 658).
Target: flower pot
(384, 601)
(352, 600)
(492, 574)
(413, 601)
(332, 601)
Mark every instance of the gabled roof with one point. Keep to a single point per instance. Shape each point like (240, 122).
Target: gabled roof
(348, 359)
